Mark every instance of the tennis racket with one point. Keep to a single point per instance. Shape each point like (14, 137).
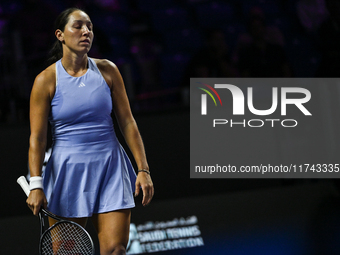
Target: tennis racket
(64, 237)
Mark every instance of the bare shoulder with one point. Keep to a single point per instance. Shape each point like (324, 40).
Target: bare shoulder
(104, 64)
(110, 72)
(45, 82)
(47, 75)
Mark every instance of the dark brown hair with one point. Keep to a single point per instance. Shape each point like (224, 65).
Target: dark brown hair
(56, 51)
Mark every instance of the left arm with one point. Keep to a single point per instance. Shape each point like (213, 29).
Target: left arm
(128, 127)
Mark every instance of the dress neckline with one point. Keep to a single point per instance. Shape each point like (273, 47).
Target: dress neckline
(88, 67)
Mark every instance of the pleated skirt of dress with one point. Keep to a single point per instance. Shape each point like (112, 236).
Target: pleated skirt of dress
(89, 178)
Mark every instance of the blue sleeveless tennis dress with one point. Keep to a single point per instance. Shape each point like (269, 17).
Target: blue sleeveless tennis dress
(88, 171)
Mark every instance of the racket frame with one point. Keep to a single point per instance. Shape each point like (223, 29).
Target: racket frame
(43, 212)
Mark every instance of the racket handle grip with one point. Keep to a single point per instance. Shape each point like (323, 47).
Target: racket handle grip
(24, 185)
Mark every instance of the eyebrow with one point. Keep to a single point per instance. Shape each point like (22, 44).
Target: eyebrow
(78, 20)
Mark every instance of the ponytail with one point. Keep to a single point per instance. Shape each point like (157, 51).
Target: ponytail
(55, 53)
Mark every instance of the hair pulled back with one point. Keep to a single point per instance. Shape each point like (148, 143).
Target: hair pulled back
(56, 51)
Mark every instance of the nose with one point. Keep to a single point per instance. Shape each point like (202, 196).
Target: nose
(85, 30)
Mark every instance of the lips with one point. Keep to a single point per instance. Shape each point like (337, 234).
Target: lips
(86, 41)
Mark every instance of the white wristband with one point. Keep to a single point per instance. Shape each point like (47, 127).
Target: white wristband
(36, 182)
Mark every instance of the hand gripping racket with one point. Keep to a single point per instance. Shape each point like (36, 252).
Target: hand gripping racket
(64, 237)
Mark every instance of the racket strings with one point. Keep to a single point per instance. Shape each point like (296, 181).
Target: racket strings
(66, 239)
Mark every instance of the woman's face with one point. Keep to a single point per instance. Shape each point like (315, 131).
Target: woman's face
(78, 33)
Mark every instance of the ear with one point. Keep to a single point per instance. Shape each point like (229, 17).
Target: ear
(60, 35)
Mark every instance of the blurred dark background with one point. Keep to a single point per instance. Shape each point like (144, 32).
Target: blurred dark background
(158, 45)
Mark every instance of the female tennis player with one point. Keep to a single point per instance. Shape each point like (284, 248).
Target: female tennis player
(88, 173)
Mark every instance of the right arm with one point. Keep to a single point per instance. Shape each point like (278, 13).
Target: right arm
(40, 101)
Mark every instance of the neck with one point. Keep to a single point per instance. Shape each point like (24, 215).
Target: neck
(74, 64)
